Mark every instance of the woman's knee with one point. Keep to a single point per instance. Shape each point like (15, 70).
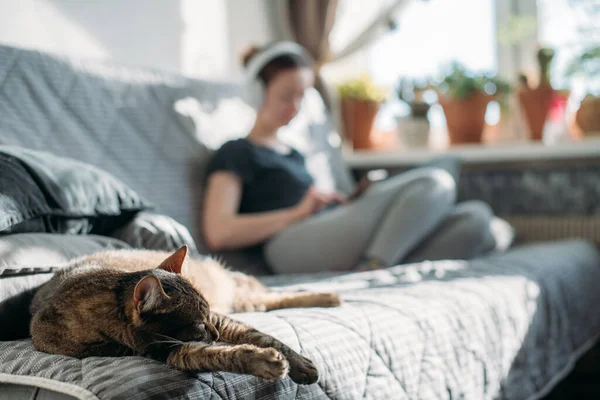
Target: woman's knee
(436, 184)
(475, 210)
(475, 217)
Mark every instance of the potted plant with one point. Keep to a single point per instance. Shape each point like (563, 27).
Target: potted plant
(361, 100)
(537, 101)
(587, 116)
(413, 130)
(464, 97)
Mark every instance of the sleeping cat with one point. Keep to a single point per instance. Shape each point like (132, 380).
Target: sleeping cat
(165, 306)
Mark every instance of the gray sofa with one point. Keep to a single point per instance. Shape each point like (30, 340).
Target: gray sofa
(506, 326)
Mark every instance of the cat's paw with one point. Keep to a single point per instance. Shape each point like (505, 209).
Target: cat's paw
(302, 370)
(268, 364)
(329, 300)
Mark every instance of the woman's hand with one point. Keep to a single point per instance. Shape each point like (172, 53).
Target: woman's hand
(360, 188)
(314, 201)
(337, 198)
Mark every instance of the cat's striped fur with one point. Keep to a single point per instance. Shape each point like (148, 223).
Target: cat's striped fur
(164, 306)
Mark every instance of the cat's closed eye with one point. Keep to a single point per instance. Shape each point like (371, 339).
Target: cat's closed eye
(196, 332)
(209, 332)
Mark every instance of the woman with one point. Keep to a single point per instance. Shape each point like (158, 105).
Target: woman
(259, 194)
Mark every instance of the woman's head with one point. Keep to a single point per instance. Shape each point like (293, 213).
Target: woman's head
(281, 72)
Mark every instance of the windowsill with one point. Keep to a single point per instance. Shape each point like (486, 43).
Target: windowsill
(477, 153)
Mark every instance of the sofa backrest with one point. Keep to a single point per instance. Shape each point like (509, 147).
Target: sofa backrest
(124, 120)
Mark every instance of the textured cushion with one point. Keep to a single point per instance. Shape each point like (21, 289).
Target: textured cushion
(155, 232)
(24, 392)
(20, 197)
(45, 252)
(80, 198)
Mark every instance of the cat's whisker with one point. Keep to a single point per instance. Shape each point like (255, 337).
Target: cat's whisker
(165, 336)
(174, 343)
(170, 339)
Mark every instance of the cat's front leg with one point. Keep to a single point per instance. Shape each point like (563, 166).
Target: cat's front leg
(265, 363)
(302, 369)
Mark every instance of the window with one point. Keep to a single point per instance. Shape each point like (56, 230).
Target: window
(430, 35)
(570, 27)
(486, 36)
(433, 34)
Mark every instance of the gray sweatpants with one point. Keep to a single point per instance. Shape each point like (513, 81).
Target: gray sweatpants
(407, 218)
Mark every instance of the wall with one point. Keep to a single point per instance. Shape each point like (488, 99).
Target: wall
(250, 23)
(217, 32)
(195, 37)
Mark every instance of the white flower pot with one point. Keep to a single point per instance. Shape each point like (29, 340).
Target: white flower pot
(413, 132)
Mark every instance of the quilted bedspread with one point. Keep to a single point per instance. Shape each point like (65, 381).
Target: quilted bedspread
(504, 327)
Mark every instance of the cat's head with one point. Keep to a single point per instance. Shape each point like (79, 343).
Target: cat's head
(167, 305)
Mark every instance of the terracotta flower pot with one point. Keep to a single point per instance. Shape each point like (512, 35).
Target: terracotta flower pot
(536, 106)
(359, 118)
(587, 116)
(465, 117)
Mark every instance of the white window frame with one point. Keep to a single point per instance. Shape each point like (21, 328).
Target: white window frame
(512, 59)
(518, 57)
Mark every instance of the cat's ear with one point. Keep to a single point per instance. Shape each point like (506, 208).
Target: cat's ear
(148, 293)
(175, 262)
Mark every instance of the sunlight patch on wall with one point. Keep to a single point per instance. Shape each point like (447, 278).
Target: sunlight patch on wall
(40, 25)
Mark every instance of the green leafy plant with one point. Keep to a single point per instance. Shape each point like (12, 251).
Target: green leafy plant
(545, 55)
(411, 92)
(461, 83)
(362, 88)
(586, 64)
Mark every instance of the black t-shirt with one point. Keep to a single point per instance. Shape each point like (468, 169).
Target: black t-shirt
(271, 180)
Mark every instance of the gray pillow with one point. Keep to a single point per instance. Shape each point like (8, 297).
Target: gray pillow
(81, 198)
(155, 232)
(21, 200)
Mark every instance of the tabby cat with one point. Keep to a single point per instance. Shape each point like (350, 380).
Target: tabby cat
(166, 307)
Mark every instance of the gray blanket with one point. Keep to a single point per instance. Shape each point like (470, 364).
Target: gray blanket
(505, 327)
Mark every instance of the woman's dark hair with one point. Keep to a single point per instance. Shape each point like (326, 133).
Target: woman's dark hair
(276, 65)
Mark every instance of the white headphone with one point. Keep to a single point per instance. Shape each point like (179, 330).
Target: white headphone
(255, 88)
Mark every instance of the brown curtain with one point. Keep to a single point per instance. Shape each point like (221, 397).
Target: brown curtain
(311, 22)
